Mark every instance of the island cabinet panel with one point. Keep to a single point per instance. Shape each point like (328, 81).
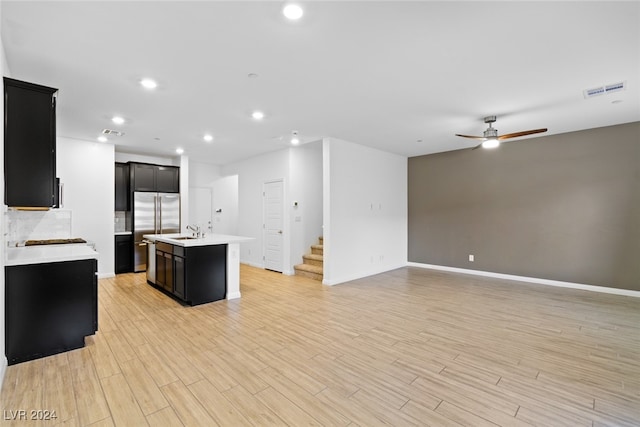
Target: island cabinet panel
(164, 266)
(179, 280)
(205, 273)
(49, 308)
(29, 144)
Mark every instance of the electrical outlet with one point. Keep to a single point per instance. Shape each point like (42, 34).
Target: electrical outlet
(472, 258)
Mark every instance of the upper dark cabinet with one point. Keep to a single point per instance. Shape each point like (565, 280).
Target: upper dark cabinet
(148, 177)
(29, 144)
(168, 179)
(122, 187)
(143, 177)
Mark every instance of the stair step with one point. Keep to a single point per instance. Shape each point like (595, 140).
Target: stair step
(311, 271)
(313, 259)
(317, 249)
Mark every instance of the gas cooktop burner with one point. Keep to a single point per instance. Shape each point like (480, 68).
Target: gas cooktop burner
(53, 242)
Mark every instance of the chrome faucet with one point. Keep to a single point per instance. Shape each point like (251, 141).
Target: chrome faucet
(196, 230)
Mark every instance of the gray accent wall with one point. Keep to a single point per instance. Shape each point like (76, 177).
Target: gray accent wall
(562, 207)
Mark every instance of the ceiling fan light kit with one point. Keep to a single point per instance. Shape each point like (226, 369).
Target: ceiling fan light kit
(490, 137)
(491, 143)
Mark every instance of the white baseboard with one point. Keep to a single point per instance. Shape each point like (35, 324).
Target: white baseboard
(546, 282)
(252, 264)
(356, 276)
(261, 266)
(106, 275)
(233, 295)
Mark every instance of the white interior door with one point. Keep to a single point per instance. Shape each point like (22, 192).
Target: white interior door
(200, 208)
(273, 225)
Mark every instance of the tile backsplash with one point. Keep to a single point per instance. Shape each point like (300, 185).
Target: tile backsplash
(121, 221)
(36, 225)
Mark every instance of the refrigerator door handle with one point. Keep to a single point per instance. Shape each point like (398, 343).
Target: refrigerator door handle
(155, 214)
(160, 214)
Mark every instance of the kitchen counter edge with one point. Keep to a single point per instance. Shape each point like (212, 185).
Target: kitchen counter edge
(212, 239)
(48, 254)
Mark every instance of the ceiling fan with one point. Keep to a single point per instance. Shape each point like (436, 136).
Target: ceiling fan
(491, 139)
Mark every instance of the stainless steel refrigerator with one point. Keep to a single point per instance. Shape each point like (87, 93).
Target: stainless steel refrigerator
(153, 213)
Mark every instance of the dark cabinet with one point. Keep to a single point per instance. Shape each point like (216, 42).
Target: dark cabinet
(168, 179)
(143, 176)
(122, 187)
(148, 177)
(164, 266)
(29, 144)
(124, 253)
(195, 275)
(205, 274)
(49, 308)
(179, 277)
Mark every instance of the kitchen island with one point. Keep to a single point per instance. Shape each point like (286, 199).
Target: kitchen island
(195, 270)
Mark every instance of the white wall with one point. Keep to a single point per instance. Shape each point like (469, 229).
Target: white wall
(252, 174)
(87, 172)
(305, 164)
(4, 71)
(202, 174)
(184, 193)
(225, 199)
(365, 211)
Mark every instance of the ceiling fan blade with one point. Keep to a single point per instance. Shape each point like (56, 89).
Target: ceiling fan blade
(471, 136)
(523, 133)
(477, 146)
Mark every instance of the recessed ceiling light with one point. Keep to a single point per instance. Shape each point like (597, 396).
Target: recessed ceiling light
(102, 139)
(208, 138)
(292, 11)
(294, 138)
(258, 115)
(117, 120)
(179, 150)
(148, 83)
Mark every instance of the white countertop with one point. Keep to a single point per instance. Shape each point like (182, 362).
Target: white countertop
(208, 240)
(48, 253)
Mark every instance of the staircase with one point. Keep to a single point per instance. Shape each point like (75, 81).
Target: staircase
(312, 263)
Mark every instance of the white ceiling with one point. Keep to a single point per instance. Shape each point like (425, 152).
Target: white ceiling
(403, 77)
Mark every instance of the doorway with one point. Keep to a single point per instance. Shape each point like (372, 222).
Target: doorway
(272, 205)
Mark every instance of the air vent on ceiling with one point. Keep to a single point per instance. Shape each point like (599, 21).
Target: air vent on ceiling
(601, 90)
(112, 132)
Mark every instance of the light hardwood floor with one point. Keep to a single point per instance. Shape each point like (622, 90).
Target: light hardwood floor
(408, 347)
